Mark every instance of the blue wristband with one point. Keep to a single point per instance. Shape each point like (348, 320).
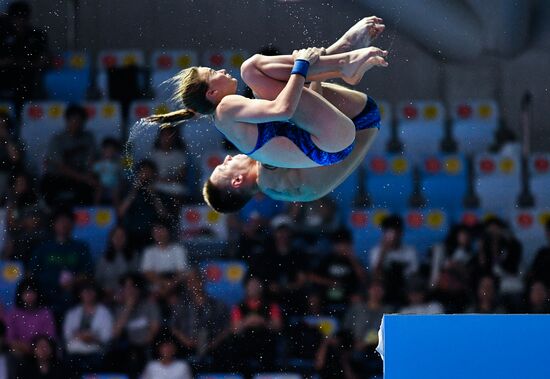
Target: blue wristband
(300, 67)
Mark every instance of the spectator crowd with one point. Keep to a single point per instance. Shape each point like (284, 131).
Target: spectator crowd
(142, 308)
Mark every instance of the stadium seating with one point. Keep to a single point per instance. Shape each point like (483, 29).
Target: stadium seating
(345, 195)
(326, 325)
(539, 170)
(444, 181)
(379, 147)
(471, 217)
(93, 225)
(142, 137)
(474, 124)
(225, 280)
(7, 107)
(11, 272)
(70, 77)
(424, 228)
(497, 182)
(164, 65)
(389, 181)
(365, 227)
(277, 376)
(108, 59)
(421, 127)
(104, 120)
(40, 121)
(528, 226)
(201, 222)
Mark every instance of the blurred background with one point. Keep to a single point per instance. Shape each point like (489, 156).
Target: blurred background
(113, 267)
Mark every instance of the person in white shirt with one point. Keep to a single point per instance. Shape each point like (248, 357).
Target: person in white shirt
(164, 264)
(166, 366)
(418, 302)
(87, 328)
(391, 250)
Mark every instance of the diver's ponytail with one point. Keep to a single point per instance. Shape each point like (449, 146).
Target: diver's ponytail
(172, 118)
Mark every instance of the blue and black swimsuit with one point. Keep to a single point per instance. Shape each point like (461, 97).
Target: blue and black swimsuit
(368, 118)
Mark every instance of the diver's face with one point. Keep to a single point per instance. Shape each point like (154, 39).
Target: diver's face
(230, 170)
(220, 83)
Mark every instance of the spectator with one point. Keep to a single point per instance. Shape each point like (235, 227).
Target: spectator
(340, 274)
(200, 323)
(11, 156)
(7, 361)
(164, 264)
(500, 255)
(255, 323)
(166, 366)
(44, 363)
(540, 268)
(28, 319)
(486, 296)
(23, 54)
(170, 157)
(538, 300)
(118, 260)
(23, 240)
(333, 359)
(87, 328)
(109, 173)
(392, 259)
(282, 267)
(21, 197)
(68, 177)
(450, 269)
(142, 206)
(137, 322)
(363, 318)
(418, 302)
(58, 262)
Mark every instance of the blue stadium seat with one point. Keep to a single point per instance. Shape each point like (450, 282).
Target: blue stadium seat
(142, 138)
(389, 182)
(164, 65)
(529, 227)
(104, 120)
(365, 227)
(424, 228)
(219, 376)
(93, 225)
(472, 217)
(200, 222)
(539, 167)
(225, 280)
(497, 181)
(7, 107)
(11, 272)
(40, 120)
(116, 58)
(474, 124)
(327, 325)
(421, 127)
(70, 78)
(444, 181)
(379, 147)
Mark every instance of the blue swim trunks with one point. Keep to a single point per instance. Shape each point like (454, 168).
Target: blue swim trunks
(368, 118)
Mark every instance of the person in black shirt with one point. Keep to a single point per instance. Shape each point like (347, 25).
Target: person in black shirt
(540, 268)
(44, 363)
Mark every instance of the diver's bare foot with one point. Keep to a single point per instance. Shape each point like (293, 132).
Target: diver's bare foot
(359, 35)
(361, 61)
